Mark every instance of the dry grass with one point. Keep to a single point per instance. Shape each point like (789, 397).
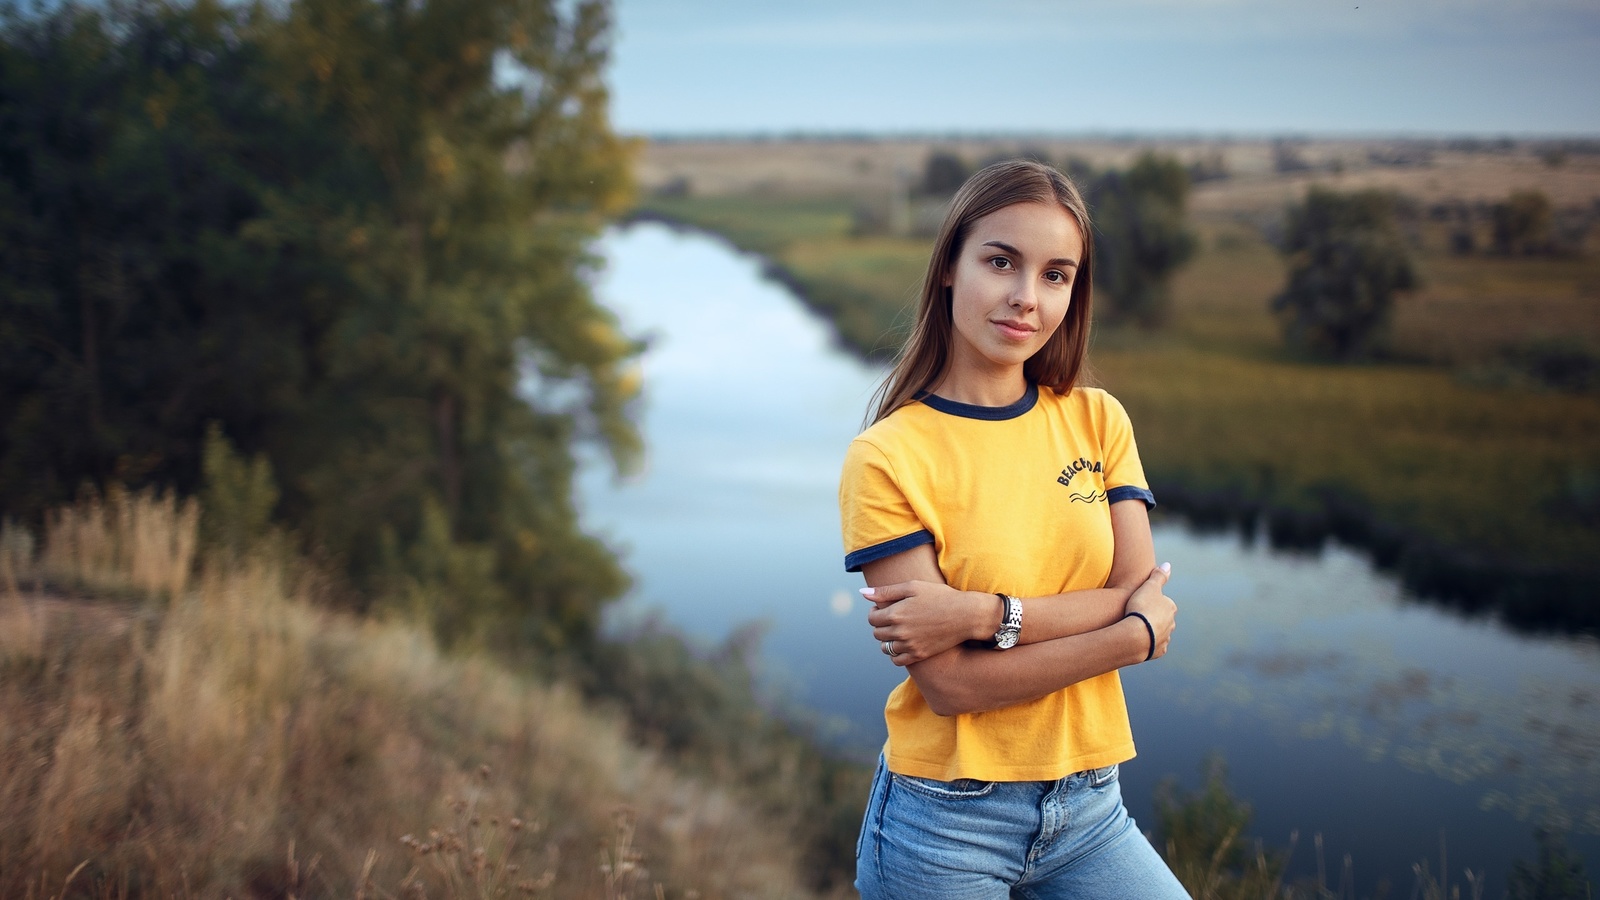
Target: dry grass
(144, 543)
(237, 740)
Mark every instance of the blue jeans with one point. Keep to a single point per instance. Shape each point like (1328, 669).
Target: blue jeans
(1038, 840)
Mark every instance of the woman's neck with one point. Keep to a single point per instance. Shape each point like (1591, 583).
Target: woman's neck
(992, 387)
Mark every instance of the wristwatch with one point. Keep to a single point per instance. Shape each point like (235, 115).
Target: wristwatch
(1011, 626)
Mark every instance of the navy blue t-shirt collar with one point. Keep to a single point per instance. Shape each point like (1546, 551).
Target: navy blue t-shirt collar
(988, 413)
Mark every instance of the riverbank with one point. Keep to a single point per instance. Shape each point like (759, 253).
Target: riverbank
(1480, 487)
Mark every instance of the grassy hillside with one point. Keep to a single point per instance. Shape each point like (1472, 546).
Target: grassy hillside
(224, 734)
(1452, 460)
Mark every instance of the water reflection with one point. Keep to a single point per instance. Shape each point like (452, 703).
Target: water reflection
(1326, 647)
(1341, 707)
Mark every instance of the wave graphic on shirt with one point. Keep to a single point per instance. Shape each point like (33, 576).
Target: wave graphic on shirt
(1091, 497)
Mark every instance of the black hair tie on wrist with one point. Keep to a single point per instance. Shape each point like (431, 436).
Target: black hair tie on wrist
(1147, 627)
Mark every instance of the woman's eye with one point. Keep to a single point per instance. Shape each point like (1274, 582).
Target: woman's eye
(1056, 276)
(1000, 262)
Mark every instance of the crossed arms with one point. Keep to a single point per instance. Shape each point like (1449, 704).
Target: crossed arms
(1066, 638)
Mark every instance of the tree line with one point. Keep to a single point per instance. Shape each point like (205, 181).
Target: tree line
(346, 239)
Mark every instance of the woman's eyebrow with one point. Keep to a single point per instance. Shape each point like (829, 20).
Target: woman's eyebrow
(1058, 261)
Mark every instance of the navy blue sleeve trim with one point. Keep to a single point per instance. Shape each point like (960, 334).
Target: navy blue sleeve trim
(1129, 492)
(854, 561)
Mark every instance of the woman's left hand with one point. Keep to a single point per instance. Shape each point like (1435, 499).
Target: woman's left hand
(925, 618)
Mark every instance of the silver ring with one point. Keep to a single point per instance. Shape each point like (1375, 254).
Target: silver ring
(888, 648)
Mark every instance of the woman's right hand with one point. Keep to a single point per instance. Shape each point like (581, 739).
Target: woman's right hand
(1150, 600)
(926, 618)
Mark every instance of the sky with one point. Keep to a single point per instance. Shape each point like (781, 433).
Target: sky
(1202, 67)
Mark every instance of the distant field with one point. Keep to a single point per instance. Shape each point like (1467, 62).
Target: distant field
(866, 167)
(1464, 477)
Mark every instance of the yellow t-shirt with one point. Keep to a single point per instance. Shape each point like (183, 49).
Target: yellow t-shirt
(1016, 500)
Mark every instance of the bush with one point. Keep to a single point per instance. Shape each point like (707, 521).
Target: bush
(1141, 236)
(1347, 260)
(943, 173)
(1522, 224)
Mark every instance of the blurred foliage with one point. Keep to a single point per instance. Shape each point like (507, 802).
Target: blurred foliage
(1141, 238)
(1522, 223)
(1563, 363)
(704, 709)
(1202, 837)
(1347, 260)
(1556, 875)
(352, 234)
(943, 173)
(238, 497)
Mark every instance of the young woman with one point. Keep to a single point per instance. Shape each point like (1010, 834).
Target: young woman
(999, 512)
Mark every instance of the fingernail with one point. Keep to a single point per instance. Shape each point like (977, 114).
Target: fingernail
(866, 592)
(1166, 568)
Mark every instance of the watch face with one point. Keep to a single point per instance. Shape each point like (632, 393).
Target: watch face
(1006, 639)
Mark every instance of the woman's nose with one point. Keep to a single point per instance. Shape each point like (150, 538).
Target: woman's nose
(1024, 296)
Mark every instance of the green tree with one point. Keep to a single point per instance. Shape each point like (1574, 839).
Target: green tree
(1347, 261)
(352, 233)
(1522, 223)
(492, 164)
(943, 173)
(1142, 236)
(130, 314)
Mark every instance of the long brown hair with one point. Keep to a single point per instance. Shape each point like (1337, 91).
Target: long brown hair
(1058, 364)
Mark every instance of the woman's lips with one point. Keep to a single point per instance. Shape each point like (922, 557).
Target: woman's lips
(1016, 331)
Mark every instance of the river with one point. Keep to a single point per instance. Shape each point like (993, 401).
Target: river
(1343, 707)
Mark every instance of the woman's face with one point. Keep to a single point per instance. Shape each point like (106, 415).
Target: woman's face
(1011, 285)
